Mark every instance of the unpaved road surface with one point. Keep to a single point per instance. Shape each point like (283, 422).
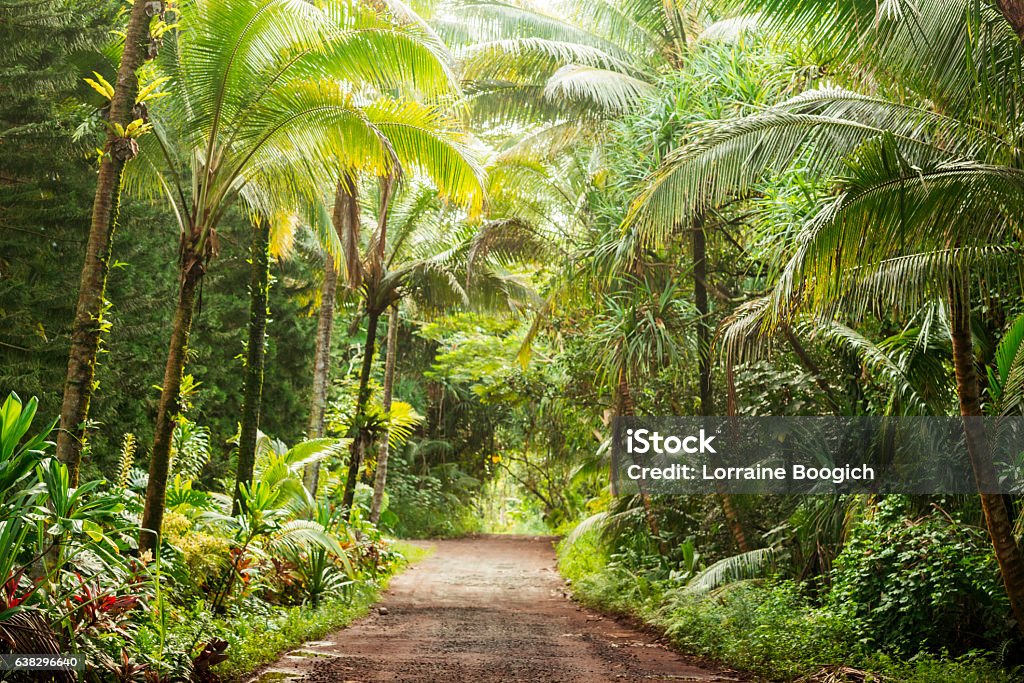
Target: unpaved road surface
(487, 609)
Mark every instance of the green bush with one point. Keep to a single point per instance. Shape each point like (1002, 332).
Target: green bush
(775, 629)
(929, 583)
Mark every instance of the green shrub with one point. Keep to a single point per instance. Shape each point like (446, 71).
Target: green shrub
(775, 629)
(772, 629)
(929, 583)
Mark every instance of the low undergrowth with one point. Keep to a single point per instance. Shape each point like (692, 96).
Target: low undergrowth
(771, 628)
(258, 637)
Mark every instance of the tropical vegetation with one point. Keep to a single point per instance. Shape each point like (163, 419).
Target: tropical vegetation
(283, 281)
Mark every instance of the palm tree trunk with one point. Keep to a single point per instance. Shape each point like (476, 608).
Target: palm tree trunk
(345, 219)
(362, 400)
(997, 516)
(88, 323)
(729, 509)
(259, 290)
(160, 460)
(380, 477)
(321, 367)
(1013, 12)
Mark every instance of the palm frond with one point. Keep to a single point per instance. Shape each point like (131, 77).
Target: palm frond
(745, 566)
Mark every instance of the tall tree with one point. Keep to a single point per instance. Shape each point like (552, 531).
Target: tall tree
(345, 214)
(380, 475)
(241, 117)
(259, 290)
(88, 325)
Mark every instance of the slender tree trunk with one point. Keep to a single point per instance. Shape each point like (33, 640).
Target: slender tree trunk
(160, 460)
(321, 367)
(707, 404)
(700, 300)
(362, 400)
(345, 219)
(997, 516)
(380, 477)
(624, 407)
(255, 355)
(88, 324)
(729, 509)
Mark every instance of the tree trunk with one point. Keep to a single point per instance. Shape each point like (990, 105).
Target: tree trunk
(729, 509)
(997, 517)
(1013, 12)
(88, 324)
(160, 460)
(321, 367)
(380, 477)
(362, 400)
(707, 406)
(345, 219)
(255, 355)
(700, 300)
(624, 407)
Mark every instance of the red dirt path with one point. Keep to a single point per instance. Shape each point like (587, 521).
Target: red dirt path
(487, 609)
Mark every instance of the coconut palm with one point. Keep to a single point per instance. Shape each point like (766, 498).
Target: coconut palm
(926, 188)
(568, 65)
(265, 99)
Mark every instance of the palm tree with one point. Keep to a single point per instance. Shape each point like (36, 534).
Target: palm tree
(426, 250)
(260, 104)
(927, 188)
(345, 210)
(88, 324)
(252, 396)
(380, 473)
(569, 65)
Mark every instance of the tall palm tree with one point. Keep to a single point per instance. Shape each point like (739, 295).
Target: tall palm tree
(927, 187)
(88, 323)
(345, 210)
(264, 99)
(426, 250)
(380, 473)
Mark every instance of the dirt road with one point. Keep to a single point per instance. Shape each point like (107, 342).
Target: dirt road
(487, 609)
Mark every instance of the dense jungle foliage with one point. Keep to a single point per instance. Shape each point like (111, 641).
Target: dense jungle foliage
(282, 281)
